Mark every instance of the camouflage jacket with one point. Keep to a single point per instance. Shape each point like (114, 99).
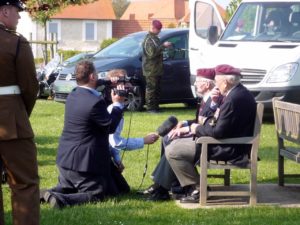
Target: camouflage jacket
(152, 55)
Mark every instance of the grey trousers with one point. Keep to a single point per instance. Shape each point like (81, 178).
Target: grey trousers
(182, 155)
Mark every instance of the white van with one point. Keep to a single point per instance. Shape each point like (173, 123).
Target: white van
(262, 39)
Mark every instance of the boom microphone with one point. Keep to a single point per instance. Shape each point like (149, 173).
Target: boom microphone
(167, 126)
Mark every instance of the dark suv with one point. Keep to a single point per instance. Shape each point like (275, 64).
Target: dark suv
(126, 54)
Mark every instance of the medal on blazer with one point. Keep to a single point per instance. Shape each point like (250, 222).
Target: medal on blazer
(215, 118)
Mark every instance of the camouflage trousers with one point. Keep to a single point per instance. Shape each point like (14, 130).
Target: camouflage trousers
(152, 92)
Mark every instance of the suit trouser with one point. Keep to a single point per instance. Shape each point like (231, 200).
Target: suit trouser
(20, 160)
(82, 187)
(182, 155)
(163, 173)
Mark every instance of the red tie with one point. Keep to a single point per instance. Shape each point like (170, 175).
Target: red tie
(202, 106)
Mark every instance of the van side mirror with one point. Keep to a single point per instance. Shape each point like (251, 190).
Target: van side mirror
(212, 34)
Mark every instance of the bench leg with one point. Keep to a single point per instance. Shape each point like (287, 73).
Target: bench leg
(280, 170)
(280, 162)
(226, 177)
(253, 184)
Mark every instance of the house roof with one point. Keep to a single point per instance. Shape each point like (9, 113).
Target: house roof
(165, 9)
(143, 10)
(98, 10)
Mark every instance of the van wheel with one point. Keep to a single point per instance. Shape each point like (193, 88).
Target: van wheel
(136, 99)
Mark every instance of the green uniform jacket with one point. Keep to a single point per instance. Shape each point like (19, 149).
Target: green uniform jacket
(17, 68)
(152, 56)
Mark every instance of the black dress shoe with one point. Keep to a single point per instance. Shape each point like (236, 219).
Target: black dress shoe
(178, 190)
(150, 190)
(161, 194)
(191, 198)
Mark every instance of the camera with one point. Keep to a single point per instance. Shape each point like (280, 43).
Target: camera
(128, 82)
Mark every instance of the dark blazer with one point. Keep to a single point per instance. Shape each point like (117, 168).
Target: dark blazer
(206, 111)
(236, 119)
(84, 146)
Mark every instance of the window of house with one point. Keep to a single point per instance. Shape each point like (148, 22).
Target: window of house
(90, 31)
(54, 27)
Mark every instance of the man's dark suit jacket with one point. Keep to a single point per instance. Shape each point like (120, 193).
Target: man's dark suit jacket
(84, 146)
(236, 119)
(205, 112)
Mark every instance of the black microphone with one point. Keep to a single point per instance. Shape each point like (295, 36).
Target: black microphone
(167, 126)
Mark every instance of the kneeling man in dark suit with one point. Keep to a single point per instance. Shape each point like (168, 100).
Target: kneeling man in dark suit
(83, 156)
(234, 118)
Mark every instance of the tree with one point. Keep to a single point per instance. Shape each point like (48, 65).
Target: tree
(119, 7)
(230, 9)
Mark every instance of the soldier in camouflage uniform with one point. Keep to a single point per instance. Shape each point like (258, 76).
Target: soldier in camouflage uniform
(18, 91)
(153, 65)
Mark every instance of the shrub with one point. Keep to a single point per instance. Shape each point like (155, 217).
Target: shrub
(107, 42)
(171, 25)
(67, 53)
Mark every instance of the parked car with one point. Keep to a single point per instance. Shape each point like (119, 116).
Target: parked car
(47, 75)
(126, 54)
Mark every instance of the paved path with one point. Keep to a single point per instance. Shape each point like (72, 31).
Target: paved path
(267, 194)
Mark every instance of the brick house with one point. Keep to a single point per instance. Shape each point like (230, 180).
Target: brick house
(137, 17)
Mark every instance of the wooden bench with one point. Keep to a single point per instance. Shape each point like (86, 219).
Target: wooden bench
(252, 164)
(287, 125)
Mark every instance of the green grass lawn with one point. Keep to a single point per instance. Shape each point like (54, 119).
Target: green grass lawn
(47, 121)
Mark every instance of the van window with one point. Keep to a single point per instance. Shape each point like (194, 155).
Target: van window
(205, 16)
(267, 21)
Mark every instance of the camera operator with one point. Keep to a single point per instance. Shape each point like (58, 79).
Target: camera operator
(83, 156)
(118, 143)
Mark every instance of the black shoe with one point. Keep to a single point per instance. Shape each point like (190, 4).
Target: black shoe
(178, 190)
(161, 194)
(150, 190)
(53, 200)
(191, 198)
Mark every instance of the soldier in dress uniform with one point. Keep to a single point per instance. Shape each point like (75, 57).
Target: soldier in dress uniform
(153, 65)
(18, 91)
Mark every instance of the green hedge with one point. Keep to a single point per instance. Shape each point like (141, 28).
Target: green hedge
(68, 53)
(107, 42)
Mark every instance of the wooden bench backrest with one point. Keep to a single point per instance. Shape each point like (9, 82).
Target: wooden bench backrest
(287, 120)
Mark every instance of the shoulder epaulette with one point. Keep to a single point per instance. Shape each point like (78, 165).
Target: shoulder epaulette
(10, 31)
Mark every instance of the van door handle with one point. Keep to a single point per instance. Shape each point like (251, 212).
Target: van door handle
(195, 49)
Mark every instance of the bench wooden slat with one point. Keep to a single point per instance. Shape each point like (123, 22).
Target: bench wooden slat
(287, 124)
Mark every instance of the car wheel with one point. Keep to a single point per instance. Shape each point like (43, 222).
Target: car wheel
(136, 99)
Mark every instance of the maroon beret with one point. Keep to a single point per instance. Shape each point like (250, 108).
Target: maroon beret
(208, 73)
(157, 24)
(227, 70)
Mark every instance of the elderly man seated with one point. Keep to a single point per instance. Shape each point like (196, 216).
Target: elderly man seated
(163, 176)
(234, 118)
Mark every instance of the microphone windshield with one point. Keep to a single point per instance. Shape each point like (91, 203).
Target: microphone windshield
(167, 126)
